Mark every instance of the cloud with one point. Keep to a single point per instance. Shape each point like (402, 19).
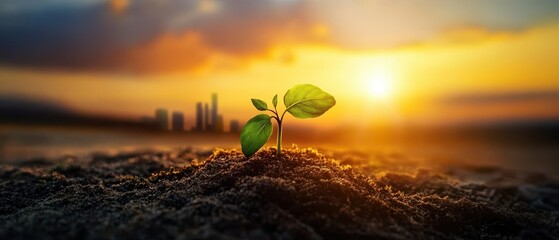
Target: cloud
(119, 6)
(153, 36)
(34, 6)
(147, 36)
(167, 53)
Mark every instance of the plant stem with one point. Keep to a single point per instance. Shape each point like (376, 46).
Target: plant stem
(279, 138)
(279, 121)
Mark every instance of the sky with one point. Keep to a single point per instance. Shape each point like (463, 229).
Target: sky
(387, 62)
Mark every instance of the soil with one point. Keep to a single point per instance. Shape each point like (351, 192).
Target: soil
(191, 194)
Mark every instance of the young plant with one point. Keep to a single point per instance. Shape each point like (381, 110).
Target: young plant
(301, 101)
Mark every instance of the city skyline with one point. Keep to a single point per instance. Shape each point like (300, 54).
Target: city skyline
(206, 119)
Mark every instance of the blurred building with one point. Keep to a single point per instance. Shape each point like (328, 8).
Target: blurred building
(214, 112)
(178, 121)
(199, 117)
(162, 118)
(207, 126)
(207, 116)
(218, 127)
(235, 126)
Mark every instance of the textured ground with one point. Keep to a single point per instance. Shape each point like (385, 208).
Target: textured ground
(305, 195)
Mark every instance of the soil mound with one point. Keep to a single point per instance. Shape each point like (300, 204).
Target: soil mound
(303, 195)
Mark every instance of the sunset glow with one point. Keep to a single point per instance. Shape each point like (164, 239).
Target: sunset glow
(379, 85)
(414, 70)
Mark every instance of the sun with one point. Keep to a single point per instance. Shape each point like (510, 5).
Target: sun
(379, 87)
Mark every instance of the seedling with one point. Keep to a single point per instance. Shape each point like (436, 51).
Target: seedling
(301, 101)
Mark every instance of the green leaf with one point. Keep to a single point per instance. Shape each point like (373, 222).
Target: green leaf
(275, 101)
(259, 104)
(307, 101)
(255, 134)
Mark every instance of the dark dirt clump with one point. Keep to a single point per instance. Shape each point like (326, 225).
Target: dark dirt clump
(304, 195)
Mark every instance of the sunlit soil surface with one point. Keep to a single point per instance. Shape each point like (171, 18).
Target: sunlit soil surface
(304, 195)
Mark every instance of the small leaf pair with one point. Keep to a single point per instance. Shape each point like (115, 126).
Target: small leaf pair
(301, 101)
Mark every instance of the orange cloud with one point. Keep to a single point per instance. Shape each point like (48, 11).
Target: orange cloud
(168, 53)
(241, 30)
(119, 6)
(227, 46)
(230, 47)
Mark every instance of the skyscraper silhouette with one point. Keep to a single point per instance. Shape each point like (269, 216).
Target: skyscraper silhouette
(218, 127)
(234, 126)
(162, 118)
(214, 111)
(199, 117)
(178, 121)
(207, 118)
